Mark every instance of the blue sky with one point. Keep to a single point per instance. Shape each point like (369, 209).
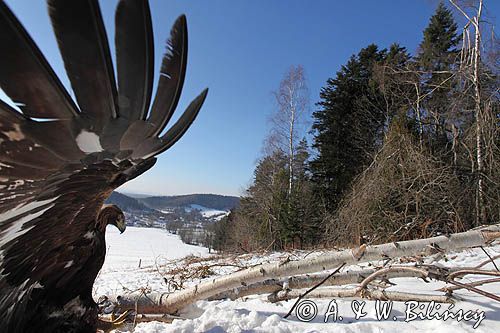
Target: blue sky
(240, 50)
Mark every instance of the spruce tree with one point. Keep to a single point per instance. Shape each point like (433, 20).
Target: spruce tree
(436, 58)
(346, 126)
(438, 48)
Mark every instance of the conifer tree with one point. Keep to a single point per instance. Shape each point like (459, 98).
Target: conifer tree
(436, 58)
(350, 117)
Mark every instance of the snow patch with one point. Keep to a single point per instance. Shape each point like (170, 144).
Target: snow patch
(207, 212)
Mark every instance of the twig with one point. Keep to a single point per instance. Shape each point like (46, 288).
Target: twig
(476, 290)
(474, 284)
(310, 290)
(487, 261)
(384, 271)
(492, 261)
(472, 271)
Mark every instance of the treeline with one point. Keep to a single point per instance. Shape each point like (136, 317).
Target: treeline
(213, 201)
(403, 146)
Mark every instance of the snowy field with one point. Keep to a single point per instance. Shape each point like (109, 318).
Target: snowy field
(160, 253)
(144, 244)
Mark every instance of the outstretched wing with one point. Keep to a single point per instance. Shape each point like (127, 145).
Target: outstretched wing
(59, 160)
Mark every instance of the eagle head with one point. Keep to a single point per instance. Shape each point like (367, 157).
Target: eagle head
(111, 214)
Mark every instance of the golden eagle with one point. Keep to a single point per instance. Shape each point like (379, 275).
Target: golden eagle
(60, 159)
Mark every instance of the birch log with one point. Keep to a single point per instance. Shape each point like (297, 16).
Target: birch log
(172, 303)
(308, 281)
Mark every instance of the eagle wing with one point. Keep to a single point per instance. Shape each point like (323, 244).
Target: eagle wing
(60, 159)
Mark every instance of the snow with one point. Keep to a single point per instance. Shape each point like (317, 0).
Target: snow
(160, 253)
(208, 212)
(148, 247)
(145, 244)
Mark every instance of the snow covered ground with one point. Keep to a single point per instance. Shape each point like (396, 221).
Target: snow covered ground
(208, 212)
(159, 253)
(145, 244)
(148, 247)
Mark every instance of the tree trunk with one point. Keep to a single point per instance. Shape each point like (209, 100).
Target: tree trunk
(419, 119)
(475, 61)
(480, 209)
(307, 281)
(290, 144)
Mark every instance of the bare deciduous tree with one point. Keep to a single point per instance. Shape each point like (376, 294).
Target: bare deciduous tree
(292, 99)
(471, 58)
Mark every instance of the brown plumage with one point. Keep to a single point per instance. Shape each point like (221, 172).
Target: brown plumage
(56, 174)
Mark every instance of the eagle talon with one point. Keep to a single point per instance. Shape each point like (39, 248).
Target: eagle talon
(107, 325)
(121, 318)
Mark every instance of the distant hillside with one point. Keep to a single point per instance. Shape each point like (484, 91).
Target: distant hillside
(214, 201)
(136, 195)
(126, 203)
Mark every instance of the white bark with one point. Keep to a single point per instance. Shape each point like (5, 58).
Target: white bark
(480, 210)
(308, 281)
(291, 140)
(475, 62)
(292, 100)
(419, 119)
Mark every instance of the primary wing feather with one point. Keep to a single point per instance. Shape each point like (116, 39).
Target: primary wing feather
(134, 58)
(173, 70)
(84, 48)
(26, 76)
(153, 146)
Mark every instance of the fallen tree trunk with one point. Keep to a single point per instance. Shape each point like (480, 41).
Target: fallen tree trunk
(150, 303)
(172, 303)
(308, 281)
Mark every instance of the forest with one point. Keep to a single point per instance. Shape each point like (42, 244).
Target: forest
(398, 146)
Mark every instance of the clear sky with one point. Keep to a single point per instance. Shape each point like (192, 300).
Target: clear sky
(240, 49)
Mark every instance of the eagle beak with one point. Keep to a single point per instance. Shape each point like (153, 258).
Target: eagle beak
(120, 224)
